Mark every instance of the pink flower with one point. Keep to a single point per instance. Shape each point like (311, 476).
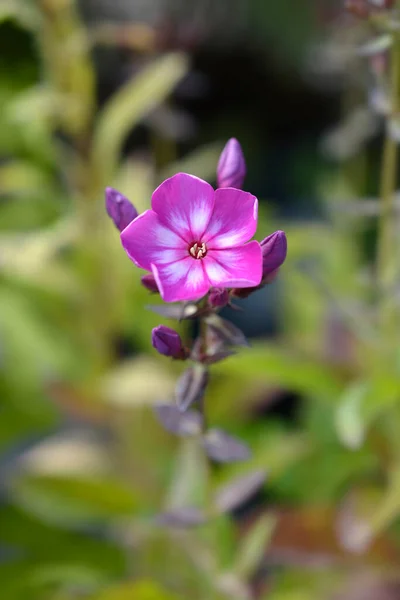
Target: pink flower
(194, 238)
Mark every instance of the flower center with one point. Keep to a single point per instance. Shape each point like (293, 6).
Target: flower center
(198, 250)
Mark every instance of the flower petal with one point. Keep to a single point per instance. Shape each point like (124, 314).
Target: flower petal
(181, 280)
(148, 241)
(184, 203)
(234, 220)
(235, 267)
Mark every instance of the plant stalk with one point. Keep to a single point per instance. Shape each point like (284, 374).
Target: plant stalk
(385, 267)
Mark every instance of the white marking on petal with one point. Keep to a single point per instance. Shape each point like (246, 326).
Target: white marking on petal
(215, 271)
(167, 237)
(175, 271)
(199, 216)
(195, 276)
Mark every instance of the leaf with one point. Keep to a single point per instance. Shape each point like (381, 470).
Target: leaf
(135, 100)
(189, 483)
(191, 386)
(189, 516)
(239, 490)
(349, 421)
(136, 382)
(178, 311)
(173, 420)
(200, 162)
(224, 448)
(253, 547)
(376, 46)
(138, 590)
(226, 331)
(388, 508)
(57, 499)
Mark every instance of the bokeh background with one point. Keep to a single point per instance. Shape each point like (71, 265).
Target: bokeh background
(98, 93)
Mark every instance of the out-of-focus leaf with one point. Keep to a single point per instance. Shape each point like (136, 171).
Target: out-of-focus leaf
(139, 590)
(188, 516)
(291, 370)
(253, 546)
(175, 421)
(189, 483)
(66, 454)
(29, 254)
(201, 162)
(57, 499)
(178, 311)
(349, 420)
(136, 382)
(388, 508)
(21, 176)
(25, 13)
(191, 386)
(224, 448)
(226, 331)
(376, 46)
(31, 347)
(238, 491)
(128, 106)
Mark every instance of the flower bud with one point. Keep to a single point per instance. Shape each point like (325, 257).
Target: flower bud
(167, 342)
(218, 298)
(119, 209)
(149, 282)
(231, 169)
(274, 250)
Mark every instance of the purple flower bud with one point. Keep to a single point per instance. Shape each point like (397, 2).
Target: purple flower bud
(150, 283)
(231, 169)
(218, 298)
(167, 341)
(119, 209)
(274, 250)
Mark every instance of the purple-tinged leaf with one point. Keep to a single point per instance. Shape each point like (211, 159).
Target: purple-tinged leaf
(188, 516)
(178, 310)
(177, 422)
(226, 331)
(191, 386)
(214, 347)
(239, 490)
(224, 448)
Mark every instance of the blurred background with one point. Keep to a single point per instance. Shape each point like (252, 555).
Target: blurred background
(95, 93)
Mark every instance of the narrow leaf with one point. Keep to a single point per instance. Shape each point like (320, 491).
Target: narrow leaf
(191, 386)
(239, 490)
(188, 516)
(135, 100)
(253, 546)
(224, 448)
(226, 331)
(178, 311)
(175, 421)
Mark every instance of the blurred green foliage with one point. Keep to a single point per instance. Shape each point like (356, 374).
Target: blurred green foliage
(85, 465)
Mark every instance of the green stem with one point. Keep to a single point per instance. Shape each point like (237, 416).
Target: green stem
(386, 228)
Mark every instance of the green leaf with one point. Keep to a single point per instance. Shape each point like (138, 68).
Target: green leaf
(142, 590)
(350, 424)
(127, 108)
(72, 500)
(254, 546)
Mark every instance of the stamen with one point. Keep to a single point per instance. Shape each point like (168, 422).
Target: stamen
(198, 250)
